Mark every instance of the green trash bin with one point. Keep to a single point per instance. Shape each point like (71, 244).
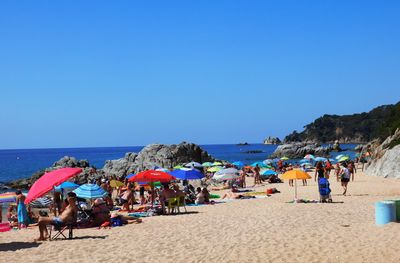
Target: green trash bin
(397, 204)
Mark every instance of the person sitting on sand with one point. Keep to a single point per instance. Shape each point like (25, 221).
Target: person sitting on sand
(200, 199)
(100, 212)
(12, 216)
(206, 194)
(67, 216)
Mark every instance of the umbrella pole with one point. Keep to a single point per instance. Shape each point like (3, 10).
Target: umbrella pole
(295, 189)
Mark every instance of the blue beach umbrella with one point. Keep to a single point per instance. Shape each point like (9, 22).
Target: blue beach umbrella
(65, 186)
(187, 174)
(130, 175)
(260, 164)
(269, 173)
(90, 191)
(320, 159)
(238, 164)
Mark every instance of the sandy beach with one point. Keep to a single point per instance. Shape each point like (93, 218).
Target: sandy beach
(259, 230)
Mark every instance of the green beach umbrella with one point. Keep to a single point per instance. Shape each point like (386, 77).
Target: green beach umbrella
(178, 167)
(207, 164)
(216, 163)
(344, 158)
(284, 158)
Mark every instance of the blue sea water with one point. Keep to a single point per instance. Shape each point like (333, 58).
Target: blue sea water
(15, 164)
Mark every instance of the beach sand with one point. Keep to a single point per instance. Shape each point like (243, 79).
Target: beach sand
(258, 230)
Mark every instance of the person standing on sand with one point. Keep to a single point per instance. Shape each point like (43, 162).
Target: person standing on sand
(345, 177)
(257, 176)
(320, 171)
(337, 172)
(243, 178)
(328, 168)
(21, 210)
(352, 169)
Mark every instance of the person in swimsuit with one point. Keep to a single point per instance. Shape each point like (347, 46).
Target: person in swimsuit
(21, 210)
(345, 177)
(67, 216)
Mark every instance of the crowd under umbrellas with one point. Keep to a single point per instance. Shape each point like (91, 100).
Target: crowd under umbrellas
(163, 186)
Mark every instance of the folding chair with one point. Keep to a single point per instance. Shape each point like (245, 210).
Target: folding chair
(181, 203)
(60, 229)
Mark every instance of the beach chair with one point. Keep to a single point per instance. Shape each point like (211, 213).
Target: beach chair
(172, 204)
(60, 229)
(324, 190)
(181, 203)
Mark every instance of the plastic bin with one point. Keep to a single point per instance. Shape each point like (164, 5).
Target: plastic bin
(385, 212)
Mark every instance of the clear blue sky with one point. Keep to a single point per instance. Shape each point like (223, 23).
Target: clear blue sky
(120, 73)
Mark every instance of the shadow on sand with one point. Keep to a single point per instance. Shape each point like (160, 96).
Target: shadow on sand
(14, 246)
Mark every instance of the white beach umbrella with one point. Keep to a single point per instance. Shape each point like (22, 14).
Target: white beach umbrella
(194, 165)
(226, 174)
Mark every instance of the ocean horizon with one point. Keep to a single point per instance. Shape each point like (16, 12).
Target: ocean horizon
(22, 163)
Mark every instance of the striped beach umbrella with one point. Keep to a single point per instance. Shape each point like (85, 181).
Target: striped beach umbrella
(8, 197)
(90, 191)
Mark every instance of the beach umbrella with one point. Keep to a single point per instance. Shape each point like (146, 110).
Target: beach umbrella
(130, 175)
(116, 183)
(47, 182)
(162, 170)
(284, 158)
(295, 175)
(214, 169)
(90, 191)
(344, 158)
(194, 165)
(226, 174)
(66, 186)
(207, 164)
(187, 174)
(238, 164)
(151, 176)
(9, 197)
(216, 163)
(260, 164)
(339, 156)
(178, 167)
(309, 156)
(269, 172)
(268, 161)
(320, 159)
(41, 202)
(304, 161)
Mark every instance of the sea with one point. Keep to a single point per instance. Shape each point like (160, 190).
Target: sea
(17, 164)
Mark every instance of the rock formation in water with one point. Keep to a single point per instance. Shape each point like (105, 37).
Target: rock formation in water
(272, 140)
(299, 150)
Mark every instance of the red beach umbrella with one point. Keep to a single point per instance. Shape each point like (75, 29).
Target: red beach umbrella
(47, 182)
(152, 176)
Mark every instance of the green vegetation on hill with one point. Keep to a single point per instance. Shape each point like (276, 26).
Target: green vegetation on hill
(380, 122)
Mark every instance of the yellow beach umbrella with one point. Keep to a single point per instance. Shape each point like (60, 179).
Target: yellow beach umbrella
(216, 163)
(284, 158)
(116, 183)
(295, 175)
(214, 169)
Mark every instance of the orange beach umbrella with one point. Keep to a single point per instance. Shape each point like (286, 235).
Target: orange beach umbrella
(295, 175)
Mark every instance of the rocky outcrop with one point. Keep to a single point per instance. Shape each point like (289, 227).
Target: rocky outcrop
(150, 156)
(299, 150)
(272, 140)
(385, 157)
